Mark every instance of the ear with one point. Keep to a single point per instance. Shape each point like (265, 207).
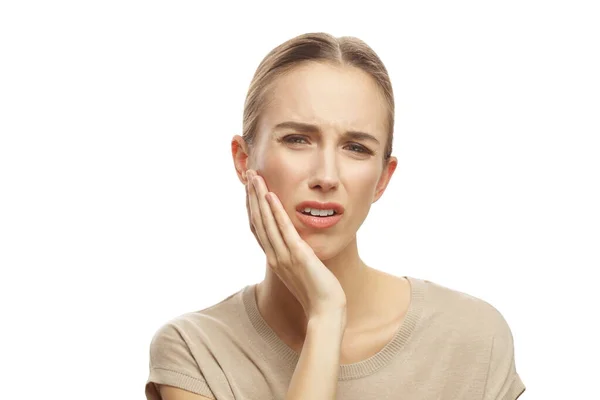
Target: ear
(385, 177)
(239, 152)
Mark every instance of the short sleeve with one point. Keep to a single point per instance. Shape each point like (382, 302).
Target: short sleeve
(503, 381)
(172, 363)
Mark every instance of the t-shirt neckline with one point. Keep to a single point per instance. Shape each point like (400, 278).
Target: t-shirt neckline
(347, 371)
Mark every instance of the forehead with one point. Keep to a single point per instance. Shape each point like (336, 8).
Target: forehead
(336, 98)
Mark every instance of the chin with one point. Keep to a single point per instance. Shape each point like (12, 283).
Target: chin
(324, 249)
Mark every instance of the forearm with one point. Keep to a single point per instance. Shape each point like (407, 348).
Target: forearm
(316, 374)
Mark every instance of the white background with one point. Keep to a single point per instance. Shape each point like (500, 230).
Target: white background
(120, 207)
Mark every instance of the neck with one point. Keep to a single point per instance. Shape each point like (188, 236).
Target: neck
(283, 311)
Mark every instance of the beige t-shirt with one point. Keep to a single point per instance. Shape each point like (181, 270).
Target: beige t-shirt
(450, 346)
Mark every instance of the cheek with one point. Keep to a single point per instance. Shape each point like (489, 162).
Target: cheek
(281, 177)
(281, 166)
(361, 191)
(362, 181)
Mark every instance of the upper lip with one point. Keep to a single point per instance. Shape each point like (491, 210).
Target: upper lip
(338, 208)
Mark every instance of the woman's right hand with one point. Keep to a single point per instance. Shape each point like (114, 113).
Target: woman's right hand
(288, 255)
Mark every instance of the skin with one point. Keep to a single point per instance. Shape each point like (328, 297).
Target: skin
(325, 166)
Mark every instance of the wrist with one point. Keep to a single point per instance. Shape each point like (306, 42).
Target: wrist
(331, 319)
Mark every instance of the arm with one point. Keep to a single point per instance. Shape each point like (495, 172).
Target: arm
(315, 287)
(317, 371)
(316, 374)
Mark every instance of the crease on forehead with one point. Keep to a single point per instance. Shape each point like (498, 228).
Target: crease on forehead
(271, 99)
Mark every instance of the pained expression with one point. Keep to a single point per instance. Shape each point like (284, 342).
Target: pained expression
(325, 165)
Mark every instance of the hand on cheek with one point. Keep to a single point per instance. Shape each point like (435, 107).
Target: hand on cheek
(288, 255)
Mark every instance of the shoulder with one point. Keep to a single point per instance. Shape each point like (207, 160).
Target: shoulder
(465, 310)
(180, 349)
(477, 327)
(189, 329)
(205, 318)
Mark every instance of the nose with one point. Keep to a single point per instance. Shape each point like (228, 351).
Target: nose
(325, 175)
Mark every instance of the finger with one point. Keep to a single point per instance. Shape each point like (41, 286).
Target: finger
(252, 229)
(257, 221)
(290, 235)
(270, 224)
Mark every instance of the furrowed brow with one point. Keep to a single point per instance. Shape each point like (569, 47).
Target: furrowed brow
(309, 128)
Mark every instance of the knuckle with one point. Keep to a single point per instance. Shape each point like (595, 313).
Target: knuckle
(287, 261)
(296, 246)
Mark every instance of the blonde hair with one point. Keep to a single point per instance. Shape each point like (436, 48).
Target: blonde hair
(316, 47)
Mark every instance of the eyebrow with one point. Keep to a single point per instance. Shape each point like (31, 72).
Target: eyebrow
(309, 128)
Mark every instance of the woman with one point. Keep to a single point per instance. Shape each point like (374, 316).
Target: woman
(314, 155)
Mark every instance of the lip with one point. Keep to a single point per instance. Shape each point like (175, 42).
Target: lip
(337, 207)
(318, 222)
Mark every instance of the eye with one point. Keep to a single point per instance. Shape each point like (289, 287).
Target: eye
(294, 139)
(359, 149)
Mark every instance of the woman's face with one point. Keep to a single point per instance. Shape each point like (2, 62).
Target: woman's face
(324, 163)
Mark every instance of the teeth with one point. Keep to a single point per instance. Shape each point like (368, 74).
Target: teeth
(316, 212)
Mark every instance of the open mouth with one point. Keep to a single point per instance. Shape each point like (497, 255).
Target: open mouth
(320, 214)
(313, 218)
